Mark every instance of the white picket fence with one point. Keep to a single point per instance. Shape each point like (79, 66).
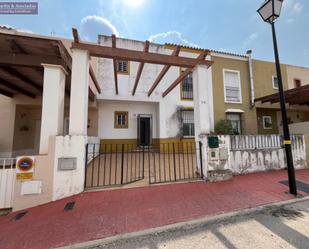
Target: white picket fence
(7, 178)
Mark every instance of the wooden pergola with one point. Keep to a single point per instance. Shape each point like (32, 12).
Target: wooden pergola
(143, 57)
(295, 96)
(21, 60)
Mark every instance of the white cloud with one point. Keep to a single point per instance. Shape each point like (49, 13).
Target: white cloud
(93, 25)
(297, 8)
(171, 37)
(290, 20)
(292, 7)
(252, 37)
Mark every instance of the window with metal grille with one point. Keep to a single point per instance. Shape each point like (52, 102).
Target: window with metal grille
(235, 120)
(275, 82)
(188, 123)
(121, 120)
(232, 86)
(187, 87)
(122, 66)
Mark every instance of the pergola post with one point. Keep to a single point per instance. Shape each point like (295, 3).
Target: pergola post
(203, 109)
(52, 104)
(79, 93)
(203, 100)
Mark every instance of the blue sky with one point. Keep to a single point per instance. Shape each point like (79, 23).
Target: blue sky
(229, 25)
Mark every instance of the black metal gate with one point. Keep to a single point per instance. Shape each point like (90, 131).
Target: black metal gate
(113, 164)
(118, 164)
(171, 162)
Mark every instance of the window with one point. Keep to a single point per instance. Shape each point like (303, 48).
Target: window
(188, 123)
(186, 88)
(234, 118)
(232, 88)
(267, 123)
(123, 67)
(297, 83)
(121, 120)
(275, 82)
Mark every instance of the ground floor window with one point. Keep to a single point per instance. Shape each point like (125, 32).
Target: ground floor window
(267, 122)
(188, 123)
(234, 118)
(121, 119)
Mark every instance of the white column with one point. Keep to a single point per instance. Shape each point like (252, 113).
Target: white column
(203, 100)
(203, 110)
(79, 93)
(52, 104)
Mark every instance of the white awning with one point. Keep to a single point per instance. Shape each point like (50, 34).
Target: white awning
(234, 111)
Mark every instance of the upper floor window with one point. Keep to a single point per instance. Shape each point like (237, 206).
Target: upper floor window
(121, 120)
(188, 123)
(297, 83)
(123, 67)
(232, 86)
(186, 88)
(275, 82)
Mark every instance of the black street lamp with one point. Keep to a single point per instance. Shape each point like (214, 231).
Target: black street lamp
(270, 11)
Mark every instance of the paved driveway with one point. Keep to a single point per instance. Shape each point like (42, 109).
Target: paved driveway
(106, 213)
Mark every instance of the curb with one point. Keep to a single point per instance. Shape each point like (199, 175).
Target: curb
(184, 225)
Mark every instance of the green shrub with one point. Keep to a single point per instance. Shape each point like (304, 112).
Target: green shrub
(224, 127)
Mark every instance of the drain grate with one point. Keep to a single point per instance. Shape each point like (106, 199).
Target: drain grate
(69, 206)
(20, 215)
(299, 184)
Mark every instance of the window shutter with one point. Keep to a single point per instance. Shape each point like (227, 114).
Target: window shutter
(232, 86)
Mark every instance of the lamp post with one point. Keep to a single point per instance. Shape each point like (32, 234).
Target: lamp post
(270, 11)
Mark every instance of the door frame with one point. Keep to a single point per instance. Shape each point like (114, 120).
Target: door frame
(138, 128)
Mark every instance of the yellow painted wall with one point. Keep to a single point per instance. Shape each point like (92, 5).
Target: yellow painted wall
(164, 144)
(249, 124)
(263, 86)
(267, 112)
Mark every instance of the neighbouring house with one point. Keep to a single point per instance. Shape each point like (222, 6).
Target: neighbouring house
(124, 111)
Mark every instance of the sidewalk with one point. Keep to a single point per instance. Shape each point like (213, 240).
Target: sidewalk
(106, 213)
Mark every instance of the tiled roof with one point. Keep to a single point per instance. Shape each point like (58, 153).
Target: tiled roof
(211, 50)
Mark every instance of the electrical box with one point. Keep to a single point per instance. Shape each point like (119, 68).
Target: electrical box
(223, 154)
(67, 163)
(31, 187)
(213, 142)
(213, 154)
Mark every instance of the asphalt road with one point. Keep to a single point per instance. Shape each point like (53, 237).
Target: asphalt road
(276, 227)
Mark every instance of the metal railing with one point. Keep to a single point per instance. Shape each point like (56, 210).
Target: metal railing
(7, 178)
(113, 164)
(171, 162)
(118, 164)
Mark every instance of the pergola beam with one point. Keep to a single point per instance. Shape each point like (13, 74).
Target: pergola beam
(115, 64)
(181, 77)
(91, 71)
(16, 88)
(291, 96)
(139, 56)
(177, 81)
(163, 72)
(13, 72)
(6, 93)
(28, 60)
(140, 69)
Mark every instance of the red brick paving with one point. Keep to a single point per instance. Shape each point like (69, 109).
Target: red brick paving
(107, 213)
